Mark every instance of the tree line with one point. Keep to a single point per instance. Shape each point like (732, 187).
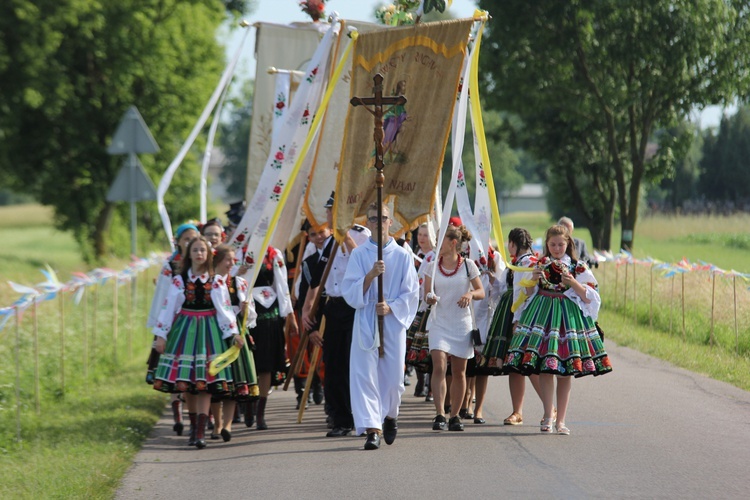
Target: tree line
(591, 97)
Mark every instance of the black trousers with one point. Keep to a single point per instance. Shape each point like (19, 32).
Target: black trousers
(337, 342)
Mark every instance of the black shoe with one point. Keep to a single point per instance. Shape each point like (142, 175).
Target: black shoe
(438, 423)
(226, 435)
(318, 394)
(200, 443)
(373, 441)
(479, 420)
(407, 380)
(191, 438)
(419, 389)
(329, 422)
(215, 437)
(455, 424)
(299, 401)
(429, 398)
(261, 426)
(338, 432)
(178, 427)
(390, 428)
(464, 413)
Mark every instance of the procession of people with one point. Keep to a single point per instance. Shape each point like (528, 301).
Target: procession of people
(221, 345)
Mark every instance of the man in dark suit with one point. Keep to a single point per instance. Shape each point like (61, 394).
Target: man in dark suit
(581, 250)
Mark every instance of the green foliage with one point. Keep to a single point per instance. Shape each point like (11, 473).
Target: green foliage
(70, 69)
(235, 141)
(725, 170)
(593, 81)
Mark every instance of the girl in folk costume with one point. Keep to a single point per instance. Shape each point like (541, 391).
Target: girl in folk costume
(195, 319)
(245, 386)
(171, 268)
(457, 284)
(512, 304)
(274, 308)
(556, 335)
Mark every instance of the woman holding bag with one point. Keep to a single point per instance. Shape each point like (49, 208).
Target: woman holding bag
(456, 284)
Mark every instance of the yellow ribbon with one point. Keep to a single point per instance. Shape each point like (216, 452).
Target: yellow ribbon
(223, 360)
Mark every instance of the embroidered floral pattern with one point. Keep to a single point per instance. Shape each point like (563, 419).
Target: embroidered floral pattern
(460, 87)
(280, 104)
(460, 181)
(305, 115)
(277, 190)
(482, 180)
(278, 158)
(312, 74)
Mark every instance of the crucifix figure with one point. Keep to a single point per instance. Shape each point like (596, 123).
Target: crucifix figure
(377, 102)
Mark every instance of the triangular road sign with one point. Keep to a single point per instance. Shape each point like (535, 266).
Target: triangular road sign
(132, 135)
(120, 189)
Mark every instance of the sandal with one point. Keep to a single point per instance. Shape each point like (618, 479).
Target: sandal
(554, 416)
(546, 425)
(514, 419)
(562, 430)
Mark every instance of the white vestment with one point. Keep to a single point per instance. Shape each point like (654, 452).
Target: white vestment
(376, 383)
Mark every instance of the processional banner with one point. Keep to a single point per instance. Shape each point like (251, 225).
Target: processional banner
(422, 63)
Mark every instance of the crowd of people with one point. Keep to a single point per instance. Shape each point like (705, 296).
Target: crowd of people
(221, 344)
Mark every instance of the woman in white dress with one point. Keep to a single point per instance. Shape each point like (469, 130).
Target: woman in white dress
(457, 283)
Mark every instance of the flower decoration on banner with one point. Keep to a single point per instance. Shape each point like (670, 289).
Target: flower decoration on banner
(405, 12)
(280, 104)
(482, 179)
(460, 87)
(312, 75)
(313, 8)
(278, 158)
(250, 259)
(460, 181)
(277, 190)
(306, 115)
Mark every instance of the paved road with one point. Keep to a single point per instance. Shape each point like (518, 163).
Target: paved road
(647, 430)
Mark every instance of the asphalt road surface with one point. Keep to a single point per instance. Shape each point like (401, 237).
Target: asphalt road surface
(646, 430)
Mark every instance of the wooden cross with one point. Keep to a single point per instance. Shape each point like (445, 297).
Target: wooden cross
(377, 101)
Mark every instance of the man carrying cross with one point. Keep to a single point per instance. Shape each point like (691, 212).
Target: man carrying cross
(377, 382)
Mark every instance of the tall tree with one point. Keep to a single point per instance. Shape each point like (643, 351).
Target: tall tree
(725, 172)
(619, 70)
(68, 71)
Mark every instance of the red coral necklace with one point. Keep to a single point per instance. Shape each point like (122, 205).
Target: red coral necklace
(445, 273)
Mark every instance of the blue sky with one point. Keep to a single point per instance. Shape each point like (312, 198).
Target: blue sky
(287, 11)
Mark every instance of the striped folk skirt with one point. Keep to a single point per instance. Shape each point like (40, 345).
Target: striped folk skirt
(498, 337)
(553, 336)
(194, 340)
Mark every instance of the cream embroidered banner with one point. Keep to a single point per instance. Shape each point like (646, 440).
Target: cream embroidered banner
(423, 63)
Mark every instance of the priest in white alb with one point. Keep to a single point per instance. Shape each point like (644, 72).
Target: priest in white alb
(377, 383)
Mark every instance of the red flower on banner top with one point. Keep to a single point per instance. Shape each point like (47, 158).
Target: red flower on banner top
(313, 8)
(240, 238)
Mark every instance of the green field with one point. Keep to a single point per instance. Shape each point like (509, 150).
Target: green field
(94, 410)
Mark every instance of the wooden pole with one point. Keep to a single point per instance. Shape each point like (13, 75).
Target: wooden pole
(62, 343)
(625, 290)
(313, 368)
(671, 305)
(93, 324)
(684, 337)
(713, 305)
(651, 297)
(377, 102)
(635, 296)
(736, 331)
(85, 336)
(131, 319)
(18, 375)
(37, 400)
(299, 356)
(115, 311)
